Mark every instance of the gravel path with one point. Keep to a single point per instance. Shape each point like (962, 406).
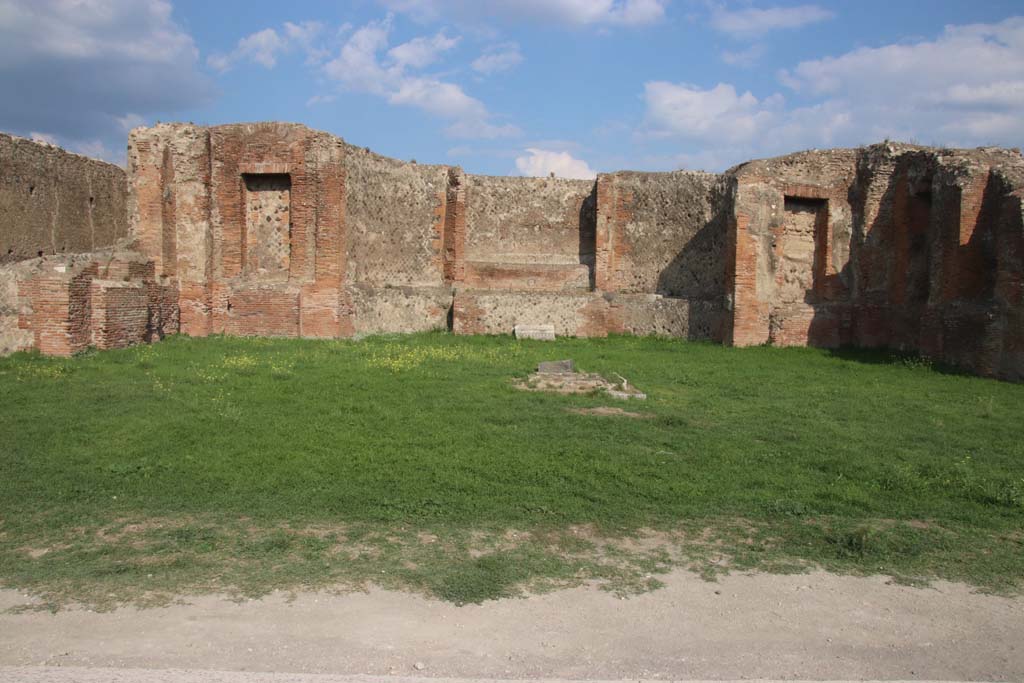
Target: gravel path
(808, 627)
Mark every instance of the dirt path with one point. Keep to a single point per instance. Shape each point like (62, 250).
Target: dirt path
(816, 626)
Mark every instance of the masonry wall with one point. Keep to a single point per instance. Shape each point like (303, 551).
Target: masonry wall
(662, 232)
(54, 205)
(887, 246)
(169, 208)
(395, 213)
(274, 229)
(248, 220)
(68, 303)
(792, 227)
(55, 202)
(13, 335)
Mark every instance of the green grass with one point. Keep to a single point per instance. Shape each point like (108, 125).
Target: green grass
(245, 466)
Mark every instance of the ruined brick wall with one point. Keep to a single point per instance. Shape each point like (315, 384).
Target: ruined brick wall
(105, 300)
(972, 314)
(248, 222)
(276, 229)
(529, 234)
(240, 218)
(56, 202)
(14, 336)
(792, 224)
(887, 246)
(169, 212)
(666, 234)
(54, 205)
(395, 216)
(663, 233)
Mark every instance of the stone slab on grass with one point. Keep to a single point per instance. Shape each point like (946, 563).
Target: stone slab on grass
(556, 367)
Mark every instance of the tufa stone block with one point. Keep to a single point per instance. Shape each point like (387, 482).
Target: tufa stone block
(542, 332)
(556, 367)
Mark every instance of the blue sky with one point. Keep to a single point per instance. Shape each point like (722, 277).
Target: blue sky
(523, 86)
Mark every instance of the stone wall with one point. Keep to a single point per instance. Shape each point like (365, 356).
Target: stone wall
(55, 202)
(395, 214)
(791, 248)
(662, 232)
(529, 234)
(211, 207)
(273, 229)
(586, 314)
(249, 221)
(14, 336)
(887, 246)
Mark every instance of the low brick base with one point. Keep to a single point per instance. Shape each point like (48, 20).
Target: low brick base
(110, 304)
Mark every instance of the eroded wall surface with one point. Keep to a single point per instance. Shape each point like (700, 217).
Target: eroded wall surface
(529, 234)
(243, 217)
(641, 253)
(56, 209)
(68, 303)
(276, 229)
(662, 232)
(394, 215)
(54, 202)
(249, 221)
(887, 246)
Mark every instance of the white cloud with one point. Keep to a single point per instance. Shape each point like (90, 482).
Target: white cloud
(964, 88)
(264, 47)
(356, 65)
(80, 70)
(498, 58)
(423, 51)
(744, 58)
(261, 47)
(360, 68)
(305, 34)
(320, 99)
(542, 162)
(562, 12)
(752, 21)
(446, 100)
(99, 28)
(718, 113)
(478, 129)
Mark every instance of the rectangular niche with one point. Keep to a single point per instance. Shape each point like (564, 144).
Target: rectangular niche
(268, 225)
(803, 248)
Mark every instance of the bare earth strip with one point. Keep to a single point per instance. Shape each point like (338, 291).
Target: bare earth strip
(811, 627)
(80, 675)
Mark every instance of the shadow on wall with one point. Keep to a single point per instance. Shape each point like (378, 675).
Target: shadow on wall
(923, 277)
(697, 274)
(698, 271)
(878, 297)
(588, 235)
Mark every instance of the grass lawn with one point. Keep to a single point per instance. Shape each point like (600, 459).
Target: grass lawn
(249, 465)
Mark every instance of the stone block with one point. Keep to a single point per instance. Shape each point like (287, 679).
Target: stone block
(556, 367)
(540, 332)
